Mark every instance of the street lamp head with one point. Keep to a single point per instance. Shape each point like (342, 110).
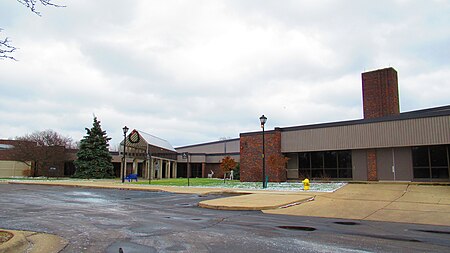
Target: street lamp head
(125, 130)
(263, 120)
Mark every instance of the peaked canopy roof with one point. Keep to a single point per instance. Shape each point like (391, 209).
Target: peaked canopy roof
(140, 139)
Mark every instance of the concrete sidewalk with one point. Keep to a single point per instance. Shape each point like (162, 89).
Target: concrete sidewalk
(408, 203)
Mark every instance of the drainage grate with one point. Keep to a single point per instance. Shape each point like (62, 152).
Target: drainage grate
(347, 223)
(297, 228)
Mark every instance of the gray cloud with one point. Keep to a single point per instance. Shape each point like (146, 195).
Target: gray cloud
(195, 71)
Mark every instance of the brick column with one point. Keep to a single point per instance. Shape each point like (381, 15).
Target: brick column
(251, 156)
(372, 165)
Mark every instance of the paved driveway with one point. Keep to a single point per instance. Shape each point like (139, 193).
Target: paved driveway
(102, 220)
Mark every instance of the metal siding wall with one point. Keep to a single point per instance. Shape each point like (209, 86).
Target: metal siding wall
(210, 148)
(359, 164)
(218, 158)
(413, 132)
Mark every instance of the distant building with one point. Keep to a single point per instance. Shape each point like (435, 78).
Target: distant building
(206, 157)
(25, 158)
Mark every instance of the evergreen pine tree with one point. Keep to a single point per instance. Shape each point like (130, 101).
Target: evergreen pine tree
(94, 159)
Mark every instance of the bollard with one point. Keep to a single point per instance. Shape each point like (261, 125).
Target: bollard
(305, 184)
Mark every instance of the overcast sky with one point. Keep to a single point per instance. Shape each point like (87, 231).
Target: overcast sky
(195, 71)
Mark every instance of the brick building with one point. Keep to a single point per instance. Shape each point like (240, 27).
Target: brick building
(25, 158)
(384, 145)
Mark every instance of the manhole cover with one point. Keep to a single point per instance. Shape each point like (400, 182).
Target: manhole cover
(297, 228)
(347, 223)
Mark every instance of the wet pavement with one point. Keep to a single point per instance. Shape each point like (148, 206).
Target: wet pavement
(103, 220)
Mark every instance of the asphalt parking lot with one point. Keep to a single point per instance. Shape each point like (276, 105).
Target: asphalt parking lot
(102, 220)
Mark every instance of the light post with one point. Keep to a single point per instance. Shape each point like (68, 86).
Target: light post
(149, 164)
(125, 130)
(263, 120)
(185, 155)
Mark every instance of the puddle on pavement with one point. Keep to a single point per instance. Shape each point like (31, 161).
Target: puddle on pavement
(297, 228)
(392, 238)
(185, 205)
(434, 231)
(347, 223)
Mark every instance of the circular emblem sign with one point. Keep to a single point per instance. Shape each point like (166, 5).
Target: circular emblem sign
(134, 137)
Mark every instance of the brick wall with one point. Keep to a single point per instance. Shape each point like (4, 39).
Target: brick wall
(251, 156)
(46, 157)
(380, 93)
(372, 165)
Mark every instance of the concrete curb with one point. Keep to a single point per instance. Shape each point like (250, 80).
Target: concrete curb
(252, 202)
(33, 242)
(18, 243)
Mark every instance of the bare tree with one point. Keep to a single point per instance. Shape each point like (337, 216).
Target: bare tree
(6, 49)
(41, 150)
(31, 4)
(48, 138)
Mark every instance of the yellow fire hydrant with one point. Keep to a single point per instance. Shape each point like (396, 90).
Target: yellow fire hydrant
(305, 184)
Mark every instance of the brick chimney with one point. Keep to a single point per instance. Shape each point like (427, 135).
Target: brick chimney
(380, 98)
(380, 93)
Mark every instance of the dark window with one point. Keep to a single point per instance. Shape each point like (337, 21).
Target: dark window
(431, 162)
(420, 157)
(345, 159)
(327, 164)
(345, 173)
(304, 173)
(421, 172)
(304, 162)
(330, 159)
(317, 160)
(438, 155)
(316, 173)
(331, 173)
(439, 172)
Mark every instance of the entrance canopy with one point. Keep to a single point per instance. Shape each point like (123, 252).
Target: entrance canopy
(139, 143)
(148, 156)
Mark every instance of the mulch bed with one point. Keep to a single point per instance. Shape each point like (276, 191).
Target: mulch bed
(5, 236)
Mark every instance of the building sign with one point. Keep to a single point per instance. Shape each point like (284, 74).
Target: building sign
(134, 137)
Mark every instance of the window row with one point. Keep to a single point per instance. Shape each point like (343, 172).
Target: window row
(325, 164)
(431, 162)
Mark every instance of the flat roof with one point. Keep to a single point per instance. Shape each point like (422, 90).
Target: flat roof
(424, 113)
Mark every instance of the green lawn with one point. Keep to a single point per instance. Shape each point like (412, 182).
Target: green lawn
(192, 182)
